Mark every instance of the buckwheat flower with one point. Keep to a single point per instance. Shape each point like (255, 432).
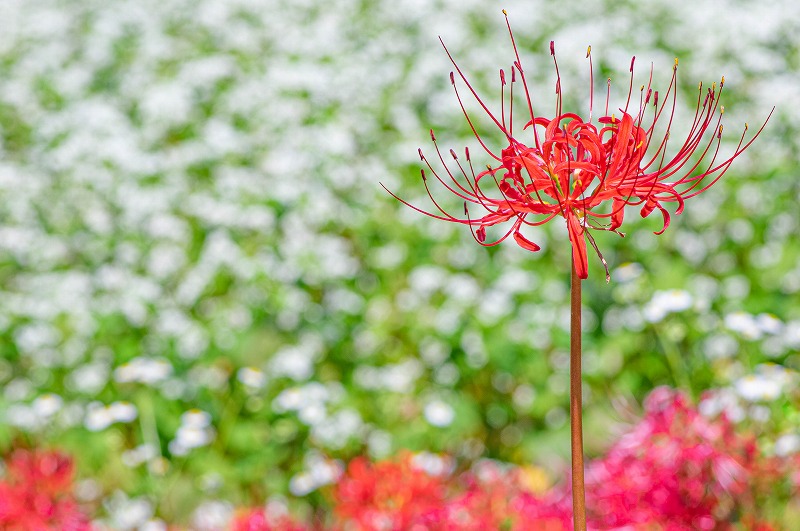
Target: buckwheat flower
(253, 378)
(666, 302)
(758, 387)
(144, 370)
(787, 444)
(744, 323)
(195, 418)
(439, 414)
(123, 411)
(583, 169)
(47, 405)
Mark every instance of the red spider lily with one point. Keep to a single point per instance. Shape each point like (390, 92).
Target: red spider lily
(259, 520)
(389, 495)
(36, 493)
(583, 171)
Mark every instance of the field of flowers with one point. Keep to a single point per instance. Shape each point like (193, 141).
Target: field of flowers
(209, 304)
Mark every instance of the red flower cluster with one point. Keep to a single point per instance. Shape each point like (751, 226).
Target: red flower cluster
(35, 494)
(675, 468)
(497, 498)
(676, 471)
(582, 171)
(390, 495)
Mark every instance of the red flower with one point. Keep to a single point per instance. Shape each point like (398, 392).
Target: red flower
(389, 495)
(583, 171)
(259, 520)
(675, 467)
(35, 495)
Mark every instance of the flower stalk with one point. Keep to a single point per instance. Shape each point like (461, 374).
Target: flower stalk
(576, 404)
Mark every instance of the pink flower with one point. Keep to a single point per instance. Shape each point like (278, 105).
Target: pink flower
(583, 170)
(674, 467)
(258, 520)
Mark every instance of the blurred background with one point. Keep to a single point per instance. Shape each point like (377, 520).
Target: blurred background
(206, 296)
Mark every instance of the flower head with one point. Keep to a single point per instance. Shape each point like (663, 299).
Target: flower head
(585, 171)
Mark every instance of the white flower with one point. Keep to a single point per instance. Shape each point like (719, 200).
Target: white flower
(212, 516)
(334, 431)
(139, 455)
(89, 378)
(767, 383)
(128, 513)
(195, 431)
(302, 484)
(439, 413)
(252, 377)
(720, 346)
(722, 401)
(627, 272)
(99, 417)
(433, 464)
(769, 324)
(319, 471)
(143, 370)
(744, 323)
(123, 411)
(787, 444)
(47, 405)
(189, 437)
(195, 418)
(21, 416)
(666, 302)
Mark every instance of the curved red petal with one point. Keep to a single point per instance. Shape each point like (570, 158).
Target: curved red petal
(524, 242)
(578, 241)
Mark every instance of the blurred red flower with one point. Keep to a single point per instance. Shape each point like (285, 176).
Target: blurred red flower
(584, 171)
(389, 495)
(258, 520)
(36, 494)
(675, 470)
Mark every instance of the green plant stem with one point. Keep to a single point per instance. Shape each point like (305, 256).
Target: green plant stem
(575, 406)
